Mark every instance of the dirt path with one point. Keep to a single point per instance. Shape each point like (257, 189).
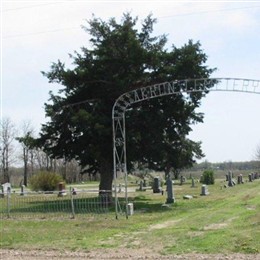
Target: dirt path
(116, 254)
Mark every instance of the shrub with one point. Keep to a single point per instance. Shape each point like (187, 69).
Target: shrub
(45, 181)
(208, 177)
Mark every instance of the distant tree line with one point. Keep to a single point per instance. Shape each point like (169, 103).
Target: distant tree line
(21, 148)
(33, 159)
(227, 165)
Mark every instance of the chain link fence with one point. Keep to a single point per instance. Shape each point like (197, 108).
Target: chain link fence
(66, 203)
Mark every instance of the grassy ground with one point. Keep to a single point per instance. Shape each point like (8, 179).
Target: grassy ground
(226, 221)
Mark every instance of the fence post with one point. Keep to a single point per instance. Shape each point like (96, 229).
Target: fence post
(72, 203)
(8, 201)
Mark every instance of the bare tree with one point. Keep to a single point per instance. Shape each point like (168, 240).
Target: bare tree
(7, 135)
(70, 170)
(257, 153)
(35, 159)
(42, 160)
(27, 143)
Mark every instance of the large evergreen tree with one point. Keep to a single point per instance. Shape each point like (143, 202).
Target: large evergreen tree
(122, 58)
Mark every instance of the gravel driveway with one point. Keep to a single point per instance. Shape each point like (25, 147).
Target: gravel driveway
(128, 254)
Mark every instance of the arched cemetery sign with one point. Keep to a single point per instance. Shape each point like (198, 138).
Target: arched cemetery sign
(164, 89)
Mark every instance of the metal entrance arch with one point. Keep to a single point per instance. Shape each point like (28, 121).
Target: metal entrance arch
(158, 90)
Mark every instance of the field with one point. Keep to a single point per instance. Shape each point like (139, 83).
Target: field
(224, 223)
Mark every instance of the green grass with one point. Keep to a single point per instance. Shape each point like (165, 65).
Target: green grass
(226, 221)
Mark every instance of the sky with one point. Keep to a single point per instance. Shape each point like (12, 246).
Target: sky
(34, 34)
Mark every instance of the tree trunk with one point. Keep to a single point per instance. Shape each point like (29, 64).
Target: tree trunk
(25, 157)
(176, 174)
(32, 163)
(6, 176)
(167, 171)
(106, 181)
(25, 178)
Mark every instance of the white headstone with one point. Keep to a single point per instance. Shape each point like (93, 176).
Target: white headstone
(6, 187)
(130, 209)
(204, 190)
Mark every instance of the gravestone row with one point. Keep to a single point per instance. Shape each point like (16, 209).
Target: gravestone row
(169, 188)
(231, 182)
(7, 189)
(253, 176)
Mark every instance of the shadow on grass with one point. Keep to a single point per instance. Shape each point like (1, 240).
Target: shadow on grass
(149, 205)
(88, 205)
(55, 204)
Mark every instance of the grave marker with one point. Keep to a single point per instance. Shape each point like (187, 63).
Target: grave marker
(204, 190)
(130, 209)
(240, 179)
(192, 182)
(22, 190)
(231, 183)
(6, 188)
(187, 197)
(61, 188)
(74, 191)
(141, 186)
(183, 179)
(170, 195)
(157, 185)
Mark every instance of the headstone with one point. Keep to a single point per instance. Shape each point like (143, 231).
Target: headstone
(8, 191)
(204, 190)
(130, 209)
(192, 182)
(157, 185)
(231, 183)
(61, 189)
(145, 183)
(166, 206)
(170, 195)
(22, 190)
(141, 186)
(227, 177)
(74, 191)
(240, 179)
(250, 177)
(183, 179)
(187, 197)
(6, 187)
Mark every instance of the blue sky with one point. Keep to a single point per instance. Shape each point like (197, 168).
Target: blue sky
(36, 33)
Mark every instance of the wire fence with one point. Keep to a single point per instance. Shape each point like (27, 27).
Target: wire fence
(66, 203)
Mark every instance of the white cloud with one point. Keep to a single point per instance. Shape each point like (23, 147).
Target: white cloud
(240, 21)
